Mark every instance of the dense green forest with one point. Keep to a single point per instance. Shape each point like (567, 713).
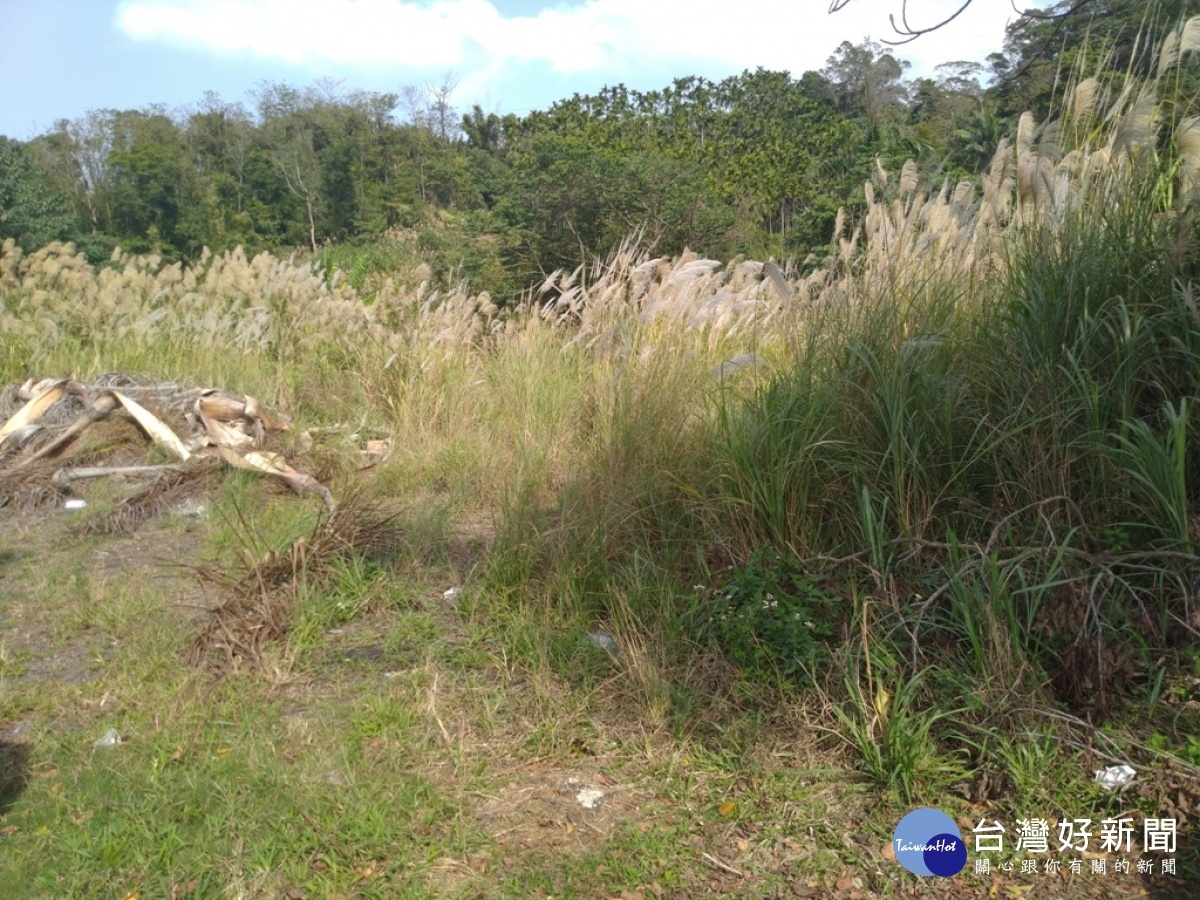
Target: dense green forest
(756, 164)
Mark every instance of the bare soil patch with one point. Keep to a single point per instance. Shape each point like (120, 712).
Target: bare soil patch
(552, 810)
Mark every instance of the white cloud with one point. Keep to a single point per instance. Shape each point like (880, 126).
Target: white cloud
(305, 32)
(601, 37)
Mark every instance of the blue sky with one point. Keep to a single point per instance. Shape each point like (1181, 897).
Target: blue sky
(60, 58)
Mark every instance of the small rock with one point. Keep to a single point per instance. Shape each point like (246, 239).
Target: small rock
(110, 738)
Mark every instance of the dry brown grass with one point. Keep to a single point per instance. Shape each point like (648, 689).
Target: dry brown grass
(260, 593)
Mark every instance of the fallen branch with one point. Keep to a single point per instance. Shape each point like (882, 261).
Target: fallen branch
(98, 411)
(66, 476)
(724, 866)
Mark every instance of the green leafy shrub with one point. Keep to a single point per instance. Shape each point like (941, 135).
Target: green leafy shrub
(774, 619)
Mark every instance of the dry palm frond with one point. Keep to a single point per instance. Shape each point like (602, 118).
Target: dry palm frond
(33, 486)
(60, 417)
(158, 497)
(97, 411)
(153, 426)
(260, 592)
(34, 409)
(30, 487)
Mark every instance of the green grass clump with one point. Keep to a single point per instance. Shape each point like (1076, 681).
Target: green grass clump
(774, 620)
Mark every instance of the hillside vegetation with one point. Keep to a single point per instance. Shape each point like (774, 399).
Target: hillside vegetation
(757, 164)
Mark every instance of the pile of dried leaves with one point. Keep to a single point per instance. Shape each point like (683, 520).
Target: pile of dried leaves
(57, 432)
(166, 440)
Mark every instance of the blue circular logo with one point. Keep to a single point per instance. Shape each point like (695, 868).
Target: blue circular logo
(928, 842)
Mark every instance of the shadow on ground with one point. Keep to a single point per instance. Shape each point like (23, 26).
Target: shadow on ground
(13, 772)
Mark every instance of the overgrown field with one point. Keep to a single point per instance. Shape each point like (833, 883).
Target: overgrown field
(752, 558)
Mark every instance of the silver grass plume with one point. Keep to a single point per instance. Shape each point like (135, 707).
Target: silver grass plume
(1085, 98)
(1135, 130)
(1189, 39)
(1025, 132)
(1168, 56)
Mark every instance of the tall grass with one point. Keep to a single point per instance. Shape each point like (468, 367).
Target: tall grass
(977, 410)
(995, 439)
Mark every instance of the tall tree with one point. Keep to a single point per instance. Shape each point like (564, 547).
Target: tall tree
(868, 81)
(294, 140)
(32, 213)
(148, 174)
(74, 156)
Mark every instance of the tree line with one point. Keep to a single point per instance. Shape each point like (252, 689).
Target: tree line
(758, 163)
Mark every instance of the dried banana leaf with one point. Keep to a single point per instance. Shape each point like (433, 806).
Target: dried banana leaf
(153, 426)
(274, 464)
(34, 409)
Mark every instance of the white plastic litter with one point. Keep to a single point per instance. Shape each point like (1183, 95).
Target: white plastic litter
(452, 594)
(189, 509)
(605, 642)
(75, 503)
(110, 738)
(589, 798)
(1113, 777)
